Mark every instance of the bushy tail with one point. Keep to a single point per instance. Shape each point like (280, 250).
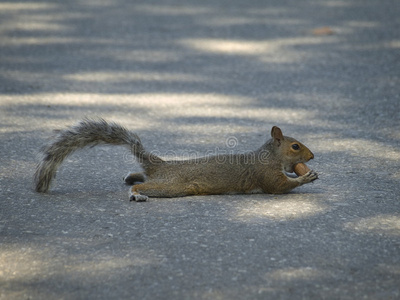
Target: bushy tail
(85, 133)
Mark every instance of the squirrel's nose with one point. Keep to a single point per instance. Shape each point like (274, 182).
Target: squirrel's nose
(311, 155)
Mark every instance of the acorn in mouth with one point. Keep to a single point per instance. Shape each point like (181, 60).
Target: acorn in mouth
(301, 169)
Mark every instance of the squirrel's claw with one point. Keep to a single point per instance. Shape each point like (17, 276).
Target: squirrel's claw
(310, 176)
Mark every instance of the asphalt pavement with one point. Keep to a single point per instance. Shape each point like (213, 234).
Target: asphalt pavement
(191, 78)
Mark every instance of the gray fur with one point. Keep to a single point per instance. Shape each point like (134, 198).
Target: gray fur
(86, 133)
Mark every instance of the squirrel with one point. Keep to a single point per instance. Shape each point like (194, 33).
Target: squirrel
(260, 171)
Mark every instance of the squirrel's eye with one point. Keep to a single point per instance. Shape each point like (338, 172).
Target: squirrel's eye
(295, 147)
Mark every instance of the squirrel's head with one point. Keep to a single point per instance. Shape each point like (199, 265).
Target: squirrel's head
(289, 150)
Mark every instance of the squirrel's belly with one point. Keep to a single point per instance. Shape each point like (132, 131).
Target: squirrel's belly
(255, 191)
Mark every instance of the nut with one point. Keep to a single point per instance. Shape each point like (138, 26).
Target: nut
(301, 169)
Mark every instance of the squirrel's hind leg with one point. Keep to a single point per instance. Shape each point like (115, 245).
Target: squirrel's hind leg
(136, 196)
(157, 188)
(131, 178)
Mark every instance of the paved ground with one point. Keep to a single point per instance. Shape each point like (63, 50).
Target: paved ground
(189, 76)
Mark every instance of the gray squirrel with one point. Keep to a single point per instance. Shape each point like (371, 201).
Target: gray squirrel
(260, 171)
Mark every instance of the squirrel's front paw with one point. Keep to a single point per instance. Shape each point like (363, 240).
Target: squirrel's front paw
(138, 198)
(308, 177)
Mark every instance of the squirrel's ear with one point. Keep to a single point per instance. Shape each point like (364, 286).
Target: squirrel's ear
(277, 135)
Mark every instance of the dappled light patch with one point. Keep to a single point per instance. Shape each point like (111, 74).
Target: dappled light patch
(359, 147)
(26, 6)
(273, 48)
(394, 44)
(169, 10)
(281, 210)
(29, 262)
(385, 224)
(288, 274)
(132, 76)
